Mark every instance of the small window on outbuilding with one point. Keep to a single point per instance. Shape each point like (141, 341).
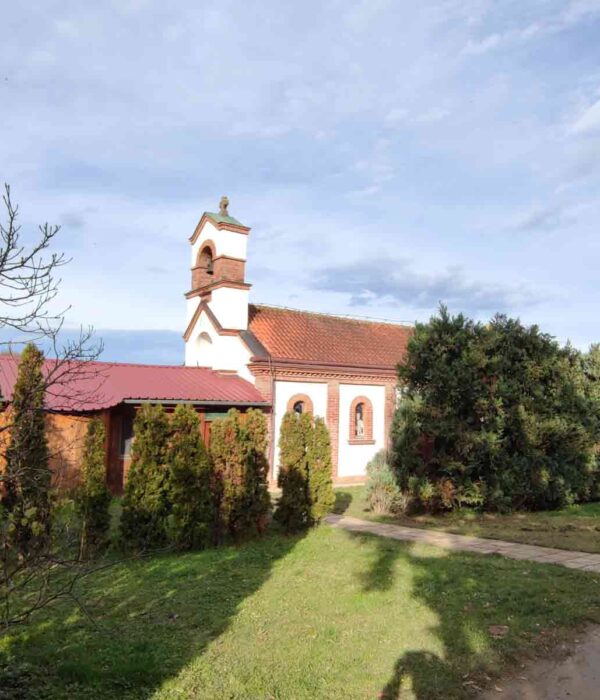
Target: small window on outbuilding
(126, 434)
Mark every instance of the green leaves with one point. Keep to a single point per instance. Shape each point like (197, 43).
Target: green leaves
(502, 411)
(305, 472)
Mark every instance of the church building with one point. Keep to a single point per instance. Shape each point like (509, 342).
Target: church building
(340, 368)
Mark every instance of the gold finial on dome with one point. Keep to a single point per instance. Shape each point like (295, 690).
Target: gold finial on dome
(223, 204)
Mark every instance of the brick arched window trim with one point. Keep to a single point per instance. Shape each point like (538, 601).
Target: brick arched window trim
(367, 439)
(306, 400)
(206, 245)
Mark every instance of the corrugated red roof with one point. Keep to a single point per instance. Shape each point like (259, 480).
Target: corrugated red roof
(91, 386)
(304, 336)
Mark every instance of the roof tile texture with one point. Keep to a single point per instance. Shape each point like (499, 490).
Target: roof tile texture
(330, 340)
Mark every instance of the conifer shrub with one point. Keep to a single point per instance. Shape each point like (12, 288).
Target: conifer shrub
(258, 501)
(145, 502)
(305, 472)
(320, 483)
(293, 507)
(191, 522)
(26, 499)
(384, 496)
(496, 417)
(238, 450)
(92, 497)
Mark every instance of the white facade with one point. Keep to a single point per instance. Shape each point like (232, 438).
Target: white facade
(211, 343)
(353, 459)
(206, 348)
(231, 243)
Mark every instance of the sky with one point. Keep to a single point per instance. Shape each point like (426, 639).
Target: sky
(389, 156)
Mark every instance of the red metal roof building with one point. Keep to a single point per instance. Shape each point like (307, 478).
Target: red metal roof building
(78, 390)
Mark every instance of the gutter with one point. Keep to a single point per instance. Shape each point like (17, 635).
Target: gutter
(197, 403)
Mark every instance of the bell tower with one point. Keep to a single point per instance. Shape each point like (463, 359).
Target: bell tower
(219, 288)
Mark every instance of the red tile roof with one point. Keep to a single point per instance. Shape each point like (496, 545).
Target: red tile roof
(287, 334)
(83, 386)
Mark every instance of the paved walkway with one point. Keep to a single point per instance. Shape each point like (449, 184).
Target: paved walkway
(545, 555)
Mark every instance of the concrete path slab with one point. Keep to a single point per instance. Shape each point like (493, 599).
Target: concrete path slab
(576, 677)
(479, 545)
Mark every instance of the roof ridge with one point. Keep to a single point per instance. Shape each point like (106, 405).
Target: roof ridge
(120, 364)
(341, 317)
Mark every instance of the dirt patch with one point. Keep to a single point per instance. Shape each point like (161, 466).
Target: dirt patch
(571, 676)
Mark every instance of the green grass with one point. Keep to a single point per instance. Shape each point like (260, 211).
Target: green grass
(328, 615)
(575, 527)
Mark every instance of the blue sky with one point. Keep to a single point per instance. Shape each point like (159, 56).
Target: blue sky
(387, 155)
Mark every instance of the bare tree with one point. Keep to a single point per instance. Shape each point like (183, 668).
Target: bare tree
(29, 287)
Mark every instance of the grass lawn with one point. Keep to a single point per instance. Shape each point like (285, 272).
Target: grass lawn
(576, 527)
(328, 615)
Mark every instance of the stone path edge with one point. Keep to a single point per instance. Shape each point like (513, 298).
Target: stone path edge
(584, 561)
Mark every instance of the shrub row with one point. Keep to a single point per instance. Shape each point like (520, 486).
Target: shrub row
(180, 495)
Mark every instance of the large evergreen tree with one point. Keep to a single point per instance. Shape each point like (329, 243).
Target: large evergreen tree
(496, 416)
(93, 497)
(192, 520)
(27, 479)
(145, 503)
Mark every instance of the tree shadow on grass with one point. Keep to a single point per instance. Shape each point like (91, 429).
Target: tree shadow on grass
(470, 595)
(149, 618)
(343, 499)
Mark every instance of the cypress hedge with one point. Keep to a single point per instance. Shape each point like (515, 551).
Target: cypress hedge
(92, 498)
(238, 450)
(305, 472)
(192, 508)
(145, 502)
(26, 500)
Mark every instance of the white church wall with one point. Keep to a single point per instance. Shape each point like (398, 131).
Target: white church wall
(230, 243)
(230, 306)
(316, 391)
(206, 348)
(352, 459)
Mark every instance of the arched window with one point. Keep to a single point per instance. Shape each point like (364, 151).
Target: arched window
(361, 421)
(300, 403)
(205, 260)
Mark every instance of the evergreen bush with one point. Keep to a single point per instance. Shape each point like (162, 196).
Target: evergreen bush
(191, 521)
(145, 502)
(305, 472)
(495, 417)
(384, 496)
(238, 449)
(318, 459)
(26, 500)
(92, 498)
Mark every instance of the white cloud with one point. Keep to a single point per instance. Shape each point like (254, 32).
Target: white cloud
(588, 122)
